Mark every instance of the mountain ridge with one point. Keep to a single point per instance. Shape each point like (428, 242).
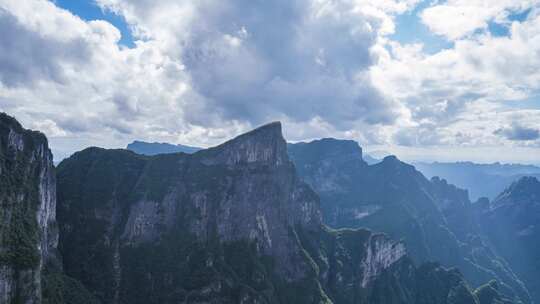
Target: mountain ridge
(154, 148)
(232, 224)
(482, 180)
(511, 222)
(242, 194)
(434, 218)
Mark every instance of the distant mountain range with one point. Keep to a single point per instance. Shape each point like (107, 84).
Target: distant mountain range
(155, 148)
(481, 180)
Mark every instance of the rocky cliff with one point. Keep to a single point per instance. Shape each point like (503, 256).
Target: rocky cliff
(230, 224)
(28, 232)
(433, 218)
(511, 221)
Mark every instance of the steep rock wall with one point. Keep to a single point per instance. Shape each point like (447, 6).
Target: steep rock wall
(28, 233)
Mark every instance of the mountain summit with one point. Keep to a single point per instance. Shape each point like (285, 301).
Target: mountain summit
(526, 189)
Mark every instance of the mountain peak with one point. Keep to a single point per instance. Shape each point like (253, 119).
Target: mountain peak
(16, 133)
(269, 129)
(263, 144)
(526, 188)
(526, 184)
(11, 121)
(528, 181)
(391, 159)
(327, 149)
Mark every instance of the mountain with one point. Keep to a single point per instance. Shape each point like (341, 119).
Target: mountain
(28, 235)
(433, 218)
(30, 268)
(482, 180)
(146, 148)
(511, 221)
(230, 224)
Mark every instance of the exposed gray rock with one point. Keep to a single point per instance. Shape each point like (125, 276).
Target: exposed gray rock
(381, 254)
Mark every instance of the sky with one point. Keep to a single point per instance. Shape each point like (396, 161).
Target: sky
(426, 80)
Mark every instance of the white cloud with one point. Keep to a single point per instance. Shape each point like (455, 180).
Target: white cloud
(202, 71)
(246, 66)
(457, 19)
(94, 89)
(461, 96)
(208, 68)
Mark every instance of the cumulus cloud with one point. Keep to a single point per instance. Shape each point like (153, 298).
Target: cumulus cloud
(257, 61)
(457, 19)
(96, 90)
(199, 71)
(461, 95)
(26, 56)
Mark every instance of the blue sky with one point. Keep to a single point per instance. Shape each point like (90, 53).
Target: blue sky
(89, 10)
(410, 29)
(208, 70)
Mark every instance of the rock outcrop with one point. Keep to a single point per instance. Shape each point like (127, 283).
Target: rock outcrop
(28, 232)
(230, 224)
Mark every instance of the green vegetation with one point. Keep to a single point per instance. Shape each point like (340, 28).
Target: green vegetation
(22, 240)
(489, 294)
(19, 198)
(179, 269)
(61, 289)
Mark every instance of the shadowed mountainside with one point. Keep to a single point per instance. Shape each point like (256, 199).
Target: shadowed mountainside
(433, 218)
(512, 221)
(232, 224)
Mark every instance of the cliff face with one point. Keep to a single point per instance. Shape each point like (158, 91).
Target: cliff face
(230, 224)
(28, 234)
(511, 222)
(433, 218)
